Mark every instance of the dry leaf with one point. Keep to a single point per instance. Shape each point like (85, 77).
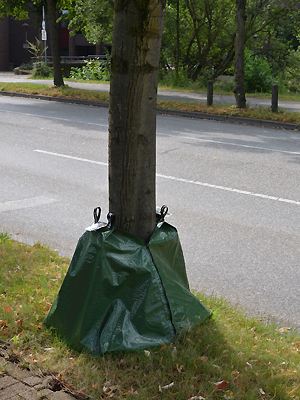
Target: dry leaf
(7, 309)
(165, 387)
(3, 324)
(204, 358)
(19, 323)
(179, 368)
(221, 385)
(284, 329)
(261, 391)
(109, 389)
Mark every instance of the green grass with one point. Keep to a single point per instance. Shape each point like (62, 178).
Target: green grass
(103, 97)
(221, 91)
(257, 361)
(47, 90)
(192, 87)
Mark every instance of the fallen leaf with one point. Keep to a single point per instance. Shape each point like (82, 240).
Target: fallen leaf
(284, 329)
(19, 323)
(204, 358)
(7, 309)
(165, 387)
(109, 389)
(179, 368)
(221, 385)
(261, 391)
(235, 374)
(3, 324)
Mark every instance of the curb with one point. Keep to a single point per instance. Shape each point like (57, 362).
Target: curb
(188, 114)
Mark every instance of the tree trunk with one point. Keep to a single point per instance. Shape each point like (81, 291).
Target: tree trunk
(240, 39)
(54, 39)
(177, 38)
(132, 115)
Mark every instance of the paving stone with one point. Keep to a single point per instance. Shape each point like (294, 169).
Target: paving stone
(44, 393)
(32, 380)
(60, 396)
(13, 391)
(40, 386)
(30, 394)
(16, 372)
(3, 363)
(6, 381)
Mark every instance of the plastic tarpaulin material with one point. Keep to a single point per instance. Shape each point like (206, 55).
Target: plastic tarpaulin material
(121, 294)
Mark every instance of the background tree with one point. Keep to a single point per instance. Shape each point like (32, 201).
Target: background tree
(240, 41)
(132, 114)
(52, 11)
(19, 9)
(94, 18)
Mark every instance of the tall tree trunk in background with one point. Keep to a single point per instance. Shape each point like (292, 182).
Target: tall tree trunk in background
(54, 39)
(132, 114)
(177, 38)
(239, 90)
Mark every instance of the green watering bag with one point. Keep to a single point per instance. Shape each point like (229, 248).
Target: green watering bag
(123, 294)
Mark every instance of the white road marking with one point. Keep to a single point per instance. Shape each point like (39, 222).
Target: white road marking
(50, 153)
(241, 145)
(174, 178)
(55, 118)
(13, 205)
(229, 189)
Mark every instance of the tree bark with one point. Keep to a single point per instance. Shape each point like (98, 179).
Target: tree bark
(240, 39)
(132, 114)
(177, 55)
(54, 39)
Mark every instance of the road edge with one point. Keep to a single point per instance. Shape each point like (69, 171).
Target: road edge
(187, 114)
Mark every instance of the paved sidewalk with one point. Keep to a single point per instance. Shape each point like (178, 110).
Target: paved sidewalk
(22, 384)
(185, 97)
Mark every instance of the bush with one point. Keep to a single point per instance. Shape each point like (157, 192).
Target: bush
(41, 70)
(292, 73)
(171, 78)
(258, 74)
(23, 69)
(92, 70)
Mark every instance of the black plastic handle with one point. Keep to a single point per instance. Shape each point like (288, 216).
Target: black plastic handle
(110, 220)
(97, 214)
(163, 212)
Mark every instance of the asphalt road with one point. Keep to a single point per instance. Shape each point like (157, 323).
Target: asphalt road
(233, 193)
(185, 97)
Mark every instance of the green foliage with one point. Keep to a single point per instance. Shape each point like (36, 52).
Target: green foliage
(95, 70)
(170, 77)
(4, 237)
(41, 70)
(93, 18)
(292, 73)
(258, 74)
(36, 48)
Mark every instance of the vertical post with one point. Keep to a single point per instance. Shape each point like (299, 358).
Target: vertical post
(274, 106)
(210, 93)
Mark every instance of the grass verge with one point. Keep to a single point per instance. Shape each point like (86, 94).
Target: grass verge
(229, 357)
(262, 113)
(220, 91)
